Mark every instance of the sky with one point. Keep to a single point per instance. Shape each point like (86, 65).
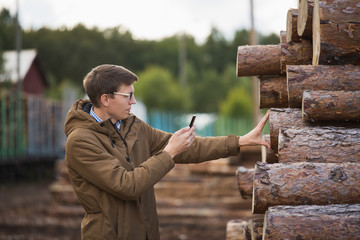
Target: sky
(155, 19)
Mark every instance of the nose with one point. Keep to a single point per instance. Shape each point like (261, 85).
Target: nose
(133, 100)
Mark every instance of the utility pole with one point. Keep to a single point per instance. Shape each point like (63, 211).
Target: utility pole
(19, 129)
(18, 47)
(182, 60)
(254, 80)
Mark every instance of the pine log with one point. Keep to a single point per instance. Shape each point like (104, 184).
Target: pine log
(336, 221)
(331, 105)
(244, 178)
(291, 26)
(340, 11)
(322, 77)
(257, 60)
(319, 144)
(256, 228)
(336, 32)
(305, 184)
(340, 43)
(273, 92)
(292, 117)
(282, 118)
(295, 53)
(235, 229)
(268, 155)
(283, 36)
(304, 21)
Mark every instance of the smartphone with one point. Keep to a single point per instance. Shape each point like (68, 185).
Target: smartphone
(192, 121)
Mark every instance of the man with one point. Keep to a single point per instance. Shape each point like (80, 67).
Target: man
(114, 159)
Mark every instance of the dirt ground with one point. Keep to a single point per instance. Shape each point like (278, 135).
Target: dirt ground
(194, 202)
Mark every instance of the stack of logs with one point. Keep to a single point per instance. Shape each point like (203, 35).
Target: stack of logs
(308, 184)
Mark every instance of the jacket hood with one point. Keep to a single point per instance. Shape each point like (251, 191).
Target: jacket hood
(79, 117)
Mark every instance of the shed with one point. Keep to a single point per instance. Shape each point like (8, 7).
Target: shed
(31, 73)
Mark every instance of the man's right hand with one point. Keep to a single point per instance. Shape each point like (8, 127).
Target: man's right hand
(180, 141)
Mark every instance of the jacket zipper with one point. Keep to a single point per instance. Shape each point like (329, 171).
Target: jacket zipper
(123, 139)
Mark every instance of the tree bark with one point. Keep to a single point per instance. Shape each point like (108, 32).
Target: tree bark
(337, 221)
(268, 155)
(323, 77)
(339, 11)
(319, 144)
(305, 184)
(244, 178)
(340, 43)
(257, 60)
(273, 92)
(293, 53)
(331, 106)
(304, 22)
(291, 26)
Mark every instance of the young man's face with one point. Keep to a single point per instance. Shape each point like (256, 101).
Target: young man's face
(120, 106)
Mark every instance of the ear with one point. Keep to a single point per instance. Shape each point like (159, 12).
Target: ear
(104, 100)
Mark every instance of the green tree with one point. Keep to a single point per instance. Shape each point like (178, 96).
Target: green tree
(237, 104)
(158, 89)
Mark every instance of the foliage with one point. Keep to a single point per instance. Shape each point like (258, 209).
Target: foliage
(237, 104)
(68, 54)
(157, 89)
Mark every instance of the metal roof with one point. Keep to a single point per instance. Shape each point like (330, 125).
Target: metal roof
(10, 61)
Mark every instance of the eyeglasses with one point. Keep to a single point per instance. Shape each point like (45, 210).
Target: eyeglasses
(129, 95)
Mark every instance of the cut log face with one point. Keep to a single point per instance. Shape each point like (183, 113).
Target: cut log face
(244, 178)
(322, 77)
(273, 92)
(256, 228)
(337, 221)
(304, 22)
(283, 36)
(258, 60)
(291, 26)
(305, 184)
(235, 229)
(268, 155)
(331, 106)
(319, 144)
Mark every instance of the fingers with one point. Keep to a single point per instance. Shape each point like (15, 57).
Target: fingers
(265, 144)
(263, 120)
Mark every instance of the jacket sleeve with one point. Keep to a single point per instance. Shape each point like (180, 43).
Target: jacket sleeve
(92, 162)
(209, 148)
(158, 139)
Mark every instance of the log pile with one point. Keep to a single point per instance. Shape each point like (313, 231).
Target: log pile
(308, 183)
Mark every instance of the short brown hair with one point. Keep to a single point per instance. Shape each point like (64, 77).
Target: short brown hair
(106, 78)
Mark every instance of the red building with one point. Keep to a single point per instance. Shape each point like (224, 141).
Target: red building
(31, 73)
